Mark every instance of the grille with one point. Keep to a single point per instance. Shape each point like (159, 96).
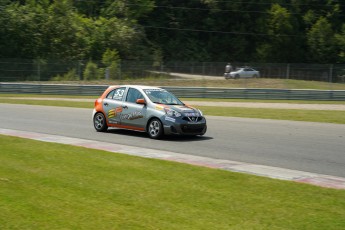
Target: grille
(192, 128)
(192, 119)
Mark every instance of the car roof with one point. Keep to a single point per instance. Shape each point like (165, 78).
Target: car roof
(135, 86)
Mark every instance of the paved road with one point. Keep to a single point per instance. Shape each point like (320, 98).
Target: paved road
(305, 146)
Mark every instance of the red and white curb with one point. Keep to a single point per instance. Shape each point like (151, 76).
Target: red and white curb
(234, 166)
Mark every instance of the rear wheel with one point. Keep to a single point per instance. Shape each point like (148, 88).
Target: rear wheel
(155, 128)
(237, 76)
(100, 123)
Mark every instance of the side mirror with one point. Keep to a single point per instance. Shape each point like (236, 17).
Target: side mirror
(141, 101)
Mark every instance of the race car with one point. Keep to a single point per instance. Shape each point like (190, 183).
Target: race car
(148, 109)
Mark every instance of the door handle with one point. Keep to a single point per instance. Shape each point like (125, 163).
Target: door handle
(125, 107)
(106, 104)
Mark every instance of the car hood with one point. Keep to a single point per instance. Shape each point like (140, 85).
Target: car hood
(185, 109)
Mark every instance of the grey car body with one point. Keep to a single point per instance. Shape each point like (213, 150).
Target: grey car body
(144, 108)
(243, 72)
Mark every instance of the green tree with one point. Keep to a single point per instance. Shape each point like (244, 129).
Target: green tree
(199, 30)
(321, 41)
(111, 60)
(282, 43)
(66, 32)
(128, 9)
(340, 41)
(20, 31)
(117, 35)
(71, 75)
(91, 71)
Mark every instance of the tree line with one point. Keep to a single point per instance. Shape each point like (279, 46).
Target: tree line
(281, 31)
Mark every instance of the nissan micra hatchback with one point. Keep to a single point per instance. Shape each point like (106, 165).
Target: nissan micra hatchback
(147, 109)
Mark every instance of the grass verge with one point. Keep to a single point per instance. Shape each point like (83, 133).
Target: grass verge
(75, 104)
(326, 116)
(206, 81)
(28, 96)
(264, 101)
(54, 186)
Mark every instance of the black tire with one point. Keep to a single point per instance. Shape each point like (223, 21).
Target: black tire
(100, 123)
(255, 76)
(237, 76)
(155, 128)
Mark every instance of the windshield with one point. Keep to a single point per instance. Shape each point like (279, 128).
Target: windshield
(161, 96)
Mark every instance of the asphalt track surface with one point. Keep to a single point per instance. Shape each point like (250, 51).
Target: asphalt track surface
(305, 146)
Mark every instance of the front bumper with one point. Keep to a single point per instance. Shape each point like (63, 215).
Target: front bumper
(183, 127)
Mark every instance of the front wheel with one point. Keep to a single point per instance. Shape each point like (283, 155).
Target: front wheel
(155, 128)
(100, 123)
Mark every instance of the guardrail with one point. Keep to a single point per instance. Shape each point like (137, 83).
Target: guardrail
(186, 92)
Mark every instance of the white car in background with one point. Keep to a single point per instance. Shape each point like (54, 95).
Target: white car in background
(243, 72)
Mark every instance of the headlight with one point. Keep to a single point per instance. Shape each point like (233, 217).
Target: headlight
(200, 112)
(172, 113)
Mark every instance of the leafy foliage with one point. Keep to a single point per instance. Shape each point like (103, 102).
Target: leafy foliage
(69, 76)
(111, 60)
(171, 30)
(91, 71)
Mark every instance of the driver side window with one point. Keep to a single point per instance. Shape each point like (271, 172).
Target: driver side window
(133, 95)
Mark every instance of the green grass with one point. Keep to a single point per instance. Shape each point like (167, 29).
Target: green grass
(48, 103)
(28, 96)
(214, 82)
(264, 101)
(220, 82)
(54, 186)
(326, 116)
(24, 95)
